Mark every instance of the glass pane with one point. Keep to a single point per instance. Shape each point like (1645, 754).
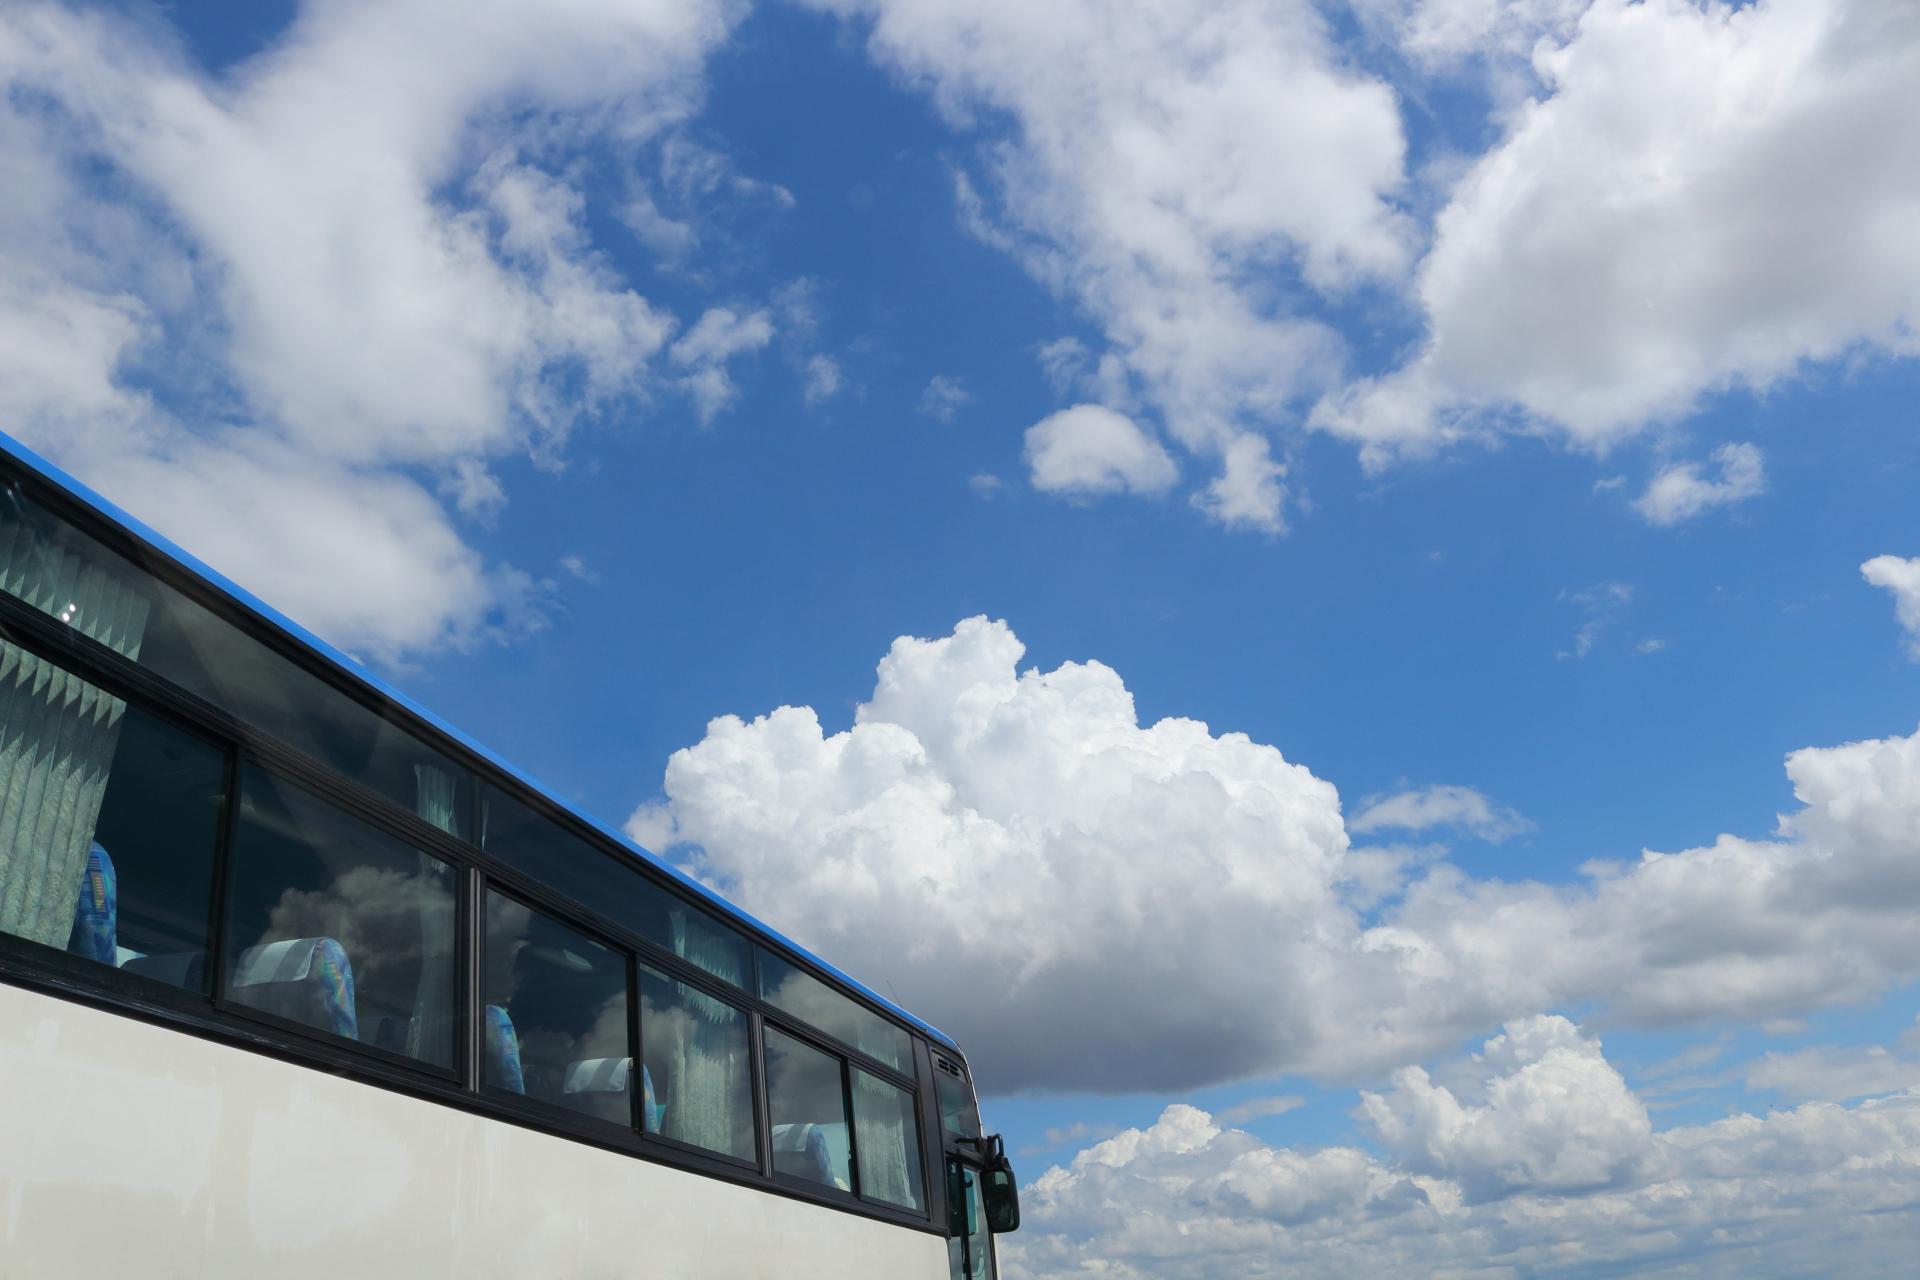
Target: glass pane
(808, 1111)
(815, 1003)
(698, 1066)
(888, 1127)
(108, 819)
(556, 1025)
(70, 576)
(529, 842)
(958, 1116)
(970, 1250)
(336, 924)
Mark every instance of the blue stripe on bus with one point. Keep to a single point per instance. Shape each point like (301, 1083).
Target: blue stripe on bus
(352, 669)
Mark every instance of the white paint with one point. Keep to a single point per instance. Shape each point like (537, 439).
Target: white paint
(130, 1149)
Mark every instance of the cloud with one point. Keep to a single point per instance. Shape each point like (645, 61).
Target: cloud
(1594, 271)
(1261, 1108)
(1559, 1119)
(1439, 805)
(1089, 450)
(1902, 578)
(991, 843)
(1555, 1173)
(1837, 1074)
(1188, 176)
(720, 335)
(1603, 604)
(1680, 492)
(823, 378)
(235, 278)
(944, 398)
(1440, 34)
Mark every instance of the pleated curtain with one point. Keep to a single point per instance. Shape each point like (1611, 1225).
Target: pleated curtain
(57, 732)
(708, 1082)
(883, 1138)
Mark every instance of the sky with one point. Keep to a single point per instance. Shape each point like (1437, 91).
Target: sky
(1333, 588)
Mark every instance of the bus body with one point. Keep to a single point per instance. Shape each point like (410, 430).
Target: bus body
(297, 980)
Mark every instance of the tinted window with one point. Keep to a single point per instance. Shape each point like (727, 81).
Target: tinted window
(697, 1059)
(807, 1107)
(817, 1004)
(969, 1247)
(585, 873)
(108, 819)
(958, 1115)
(557, 1019)
(333, 923)
(68, 575)
(887, 1126)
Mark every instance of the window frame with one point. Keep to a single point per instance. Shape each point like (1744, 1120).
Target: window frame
(214, 1015)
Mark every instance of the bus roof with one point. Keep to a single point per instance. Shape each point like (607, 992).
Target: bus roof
(353, 670)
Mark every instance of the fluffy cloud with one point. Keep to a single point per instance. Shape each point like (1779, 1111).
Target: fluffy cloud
(1595, 271)
(339, 271)
(1560, 1118)
(1185, 175)
(1089, 902)
(1458, 808)
(1680, 491)
(1902, 578)
(1089, 449)
(1555, 1173)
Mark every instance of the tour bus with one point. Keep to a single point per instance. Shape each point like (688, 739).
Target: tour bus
(296, 980)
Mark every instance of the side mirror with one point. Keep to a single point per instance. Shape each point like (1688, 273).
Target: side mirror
(1002, 1196)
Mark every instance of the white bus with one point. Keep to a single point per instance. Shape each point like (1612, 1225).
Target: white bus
(297, 981)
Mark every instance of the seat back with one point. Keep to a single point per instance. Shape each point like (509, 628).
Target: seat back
(501, 1044)
(307, 979)
(601, 1087)
(96, 913)
(800, 1150)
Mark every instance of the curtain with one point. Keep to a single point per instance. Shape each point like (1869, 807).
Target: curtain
(707, 1086)
(430, 1033)
(884, 1137)
(57, 732)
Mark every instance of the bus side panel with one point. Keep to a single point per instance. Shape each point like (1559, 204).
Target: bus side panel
(128, 1149)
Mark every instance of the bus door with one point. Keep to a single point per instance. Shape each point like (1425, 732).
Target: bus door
(981, 1197)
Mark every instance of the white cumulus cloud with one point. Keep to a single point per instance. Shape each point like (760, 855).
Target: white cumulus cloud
(1179, 172)
(1902, 578)
(1552, 1171)
(1089, 449)
(249, 305)
(1439, 805)
(1558, 1117)
(1683, 490)
(1700, 196)
(990, 843)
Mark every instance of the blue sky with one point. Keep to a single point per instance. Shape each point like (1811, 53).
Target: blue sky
(1494, 395)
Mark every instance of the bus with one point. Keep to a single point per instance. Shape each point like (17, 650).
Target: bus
(297, 980)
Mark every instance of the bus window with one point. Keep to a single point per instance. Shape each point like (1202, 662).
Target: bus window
(958, 1114)
(63, 572)
(818, 1005)
(696, 1057)
(557, 1008)
(541, 848)
(337, 925)
(887, 1128)
(807, 1107)
(108, 819)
